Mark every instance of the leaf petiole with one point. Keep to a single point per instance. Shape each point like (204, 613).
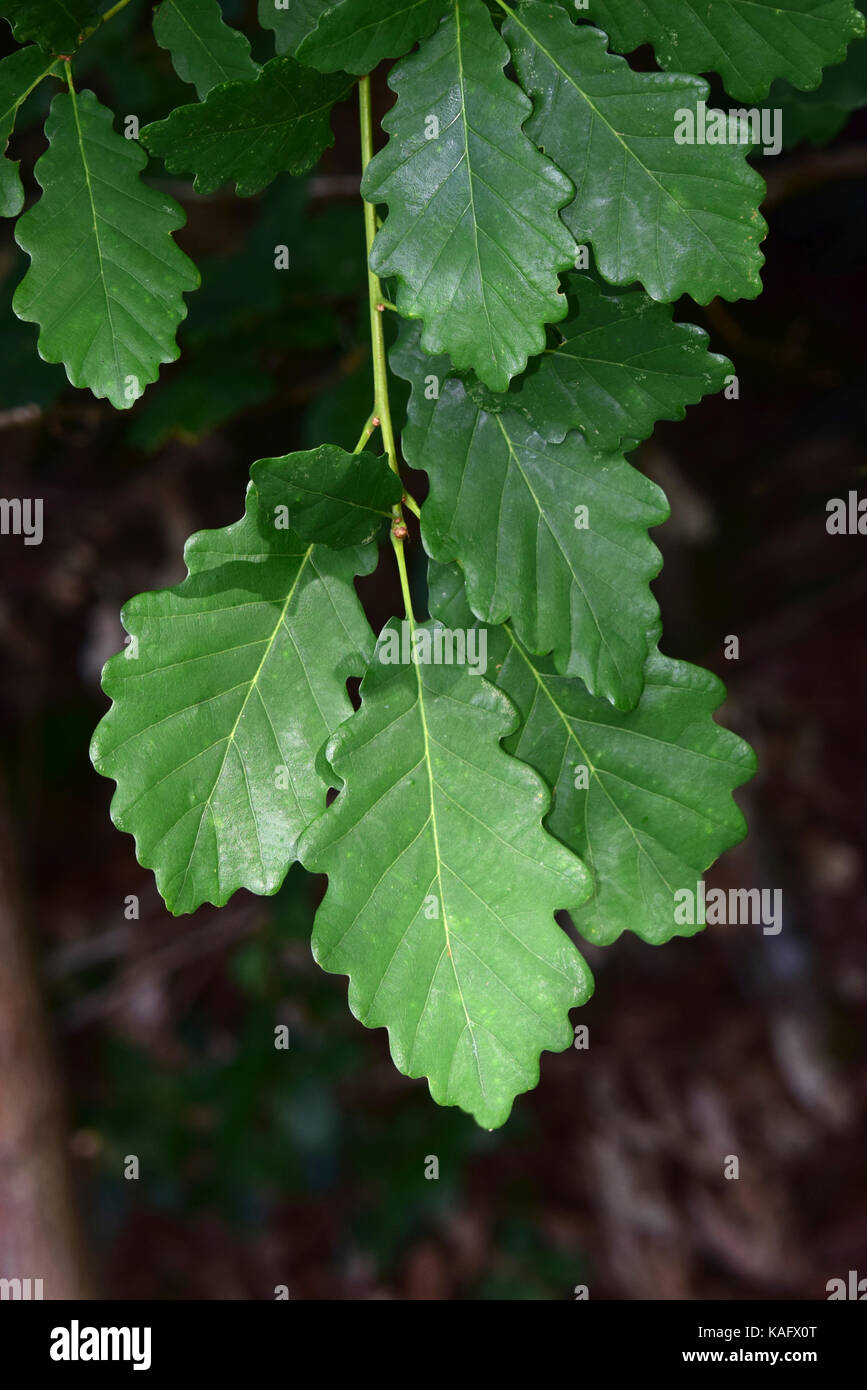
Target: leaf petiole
(397, 542)
(381, 403)
(371, 424)
(115, 9)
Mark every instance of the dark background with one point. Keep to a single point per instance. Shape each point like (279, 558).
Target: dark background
(306, 1167)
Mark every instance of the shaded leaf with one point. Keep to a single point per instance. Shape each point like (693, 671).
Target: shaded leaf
(106, 280)
(249, 132)
(55, 25)
(748, 42)
(620, 365)
(230, 686)
(210, 387)
(204, 49)
(657, 809)
(333, 498)
(25, 380)
(472, 233)
(819, 115)
(357, 35)
(443, 885)
(19, 74)
(504, 502)
(681, 218)
(291, 22)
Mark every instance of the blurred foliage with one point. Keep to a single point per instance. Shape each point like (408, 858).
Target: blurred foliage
(242, 1124)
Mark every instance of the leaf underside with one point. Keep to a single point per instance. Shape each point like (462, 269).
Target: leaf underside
(232, 682)
(106, 281)
(443, 885)
(473, 233)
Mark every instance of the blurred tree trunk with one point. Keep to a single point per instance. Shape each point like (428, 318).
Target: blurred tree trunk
(39, 1234)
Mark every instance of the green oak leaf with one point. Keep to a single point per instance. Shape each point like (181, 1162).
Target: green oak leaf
(682, 219)
(653, 807)
(55, 25)
(443, 884)
(356, 35)
(473, 233)
(205, 51)
(505, 503)
(819, 115)
(619, 364)
(249, 132)
(106, 281)
(292, 20)
(19, 74)
(748, 42)
(328, 496)
(229, 688)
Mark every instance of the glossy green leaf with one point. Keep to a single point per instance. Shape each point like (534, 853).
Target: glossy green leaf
(644, 797)
(443, 885)
(231, 684)
(19, 74)
(249, 132)
(552, 535)
(617, 365)
(357, 35)
(204, 49)
(106, 281)
(327, 495)
(681, 218)
(55, 25)
(748, 42)
(291, 20)
(473, 232)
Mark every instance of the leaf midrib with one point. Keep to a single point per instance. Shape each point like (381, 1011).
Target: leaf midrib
(594, 771)
(472, 205)
(16, 102)
(93, 213)
(326, 45)
(230, 741)
(628, 151)
(439, 865)
(217, 62)
(543, 516)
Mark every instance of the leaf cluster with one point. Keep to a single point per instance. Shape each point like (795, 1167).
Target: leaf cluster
(526, 749)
